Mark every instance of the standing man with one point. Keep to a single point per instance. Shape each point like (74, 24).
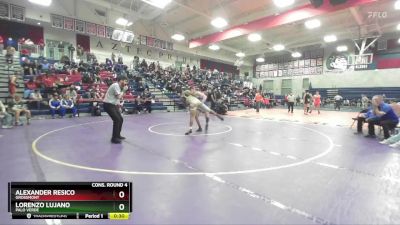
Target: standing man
(258, 99)
(307, 100)
(290, 99)
(338, 101)
(111, 101)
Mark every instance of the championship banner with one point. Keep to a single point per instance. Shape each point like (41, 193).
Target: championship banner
(109, 32)
(4, 10)
(68, 23)
(17, 13)
(80, 26)
(57, 21)
(101, 31)
(91, 28)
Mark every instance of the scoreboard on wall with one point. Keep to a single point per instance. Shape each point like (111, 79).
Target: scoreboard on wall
(70, 200)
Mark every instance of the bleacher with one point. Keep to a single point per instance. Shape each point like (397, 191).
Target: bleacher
(84, 102)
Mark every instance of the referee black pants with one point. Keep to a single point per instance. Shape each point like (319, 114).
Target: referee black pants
(290, 106)
(116, 116)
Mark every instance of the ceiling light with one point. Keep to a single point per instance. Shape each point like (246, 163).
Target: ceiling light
(178, 37)
(398, 27)
(10, 39)
(122, 21)
(219, 22)
(158, 3)
(129, 24)
(398, 41)
(283, 3)
(214, 47)
(312, 24)
(330, 38)
(254, 37)
(38, 23)
(397, 5)
(260, 60)
(41, 2)
(342, 48)
(278, 47)
(240, 54)
(296, 54)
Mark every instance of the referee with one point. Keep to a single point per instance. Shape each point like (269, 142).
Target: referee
(111, 101)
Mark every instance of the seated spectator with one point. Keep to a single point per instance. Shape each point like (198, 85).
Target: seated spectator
(364, 116)
(147, 101)
(267, 102)
(45, 66)
(55, 106)
(18, 107)
(27, 66)
(6, 118)
(72, 93)
(99, 94)
(30, 86)
(36, 97)
(67, 103)
(138, 105)
(59, 67)
(387, 118)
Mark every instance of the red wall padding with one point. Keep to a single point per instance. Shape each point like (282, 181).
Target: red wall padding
(20, 30)
(388, 63)
(83, 41)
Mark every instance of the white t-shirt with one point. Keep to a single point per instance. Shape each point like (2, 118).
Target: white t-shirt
(291, 98)
(112, 94)
(338, 98)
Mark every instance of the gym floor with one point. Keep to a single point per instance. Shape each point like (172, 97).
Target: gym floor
(253, 168)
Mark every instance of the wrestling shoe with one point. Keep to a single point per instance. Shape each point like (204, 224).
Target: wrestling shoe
(116, 141)
(385, 142)
(395, 145)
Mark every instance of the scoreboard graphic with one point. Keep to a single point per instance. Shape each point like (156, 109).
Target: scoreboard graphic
(70, 200)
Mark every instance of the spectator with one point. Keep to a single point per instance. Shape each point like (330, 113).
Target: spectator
(298, 100)
(338, 101)
(45, 66)
(387, 118)
(10, 54)
(364, 101)
(67, 103)
(27, 66)
(36, 97)
(1, 44)
(258, 99)
(267, 102)
(290, 99)
(18, 107)
(365, 115)
(72, 93)
(55, 106)
(12, 85)
(6, 118)
(307, 100)
(143, 65)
